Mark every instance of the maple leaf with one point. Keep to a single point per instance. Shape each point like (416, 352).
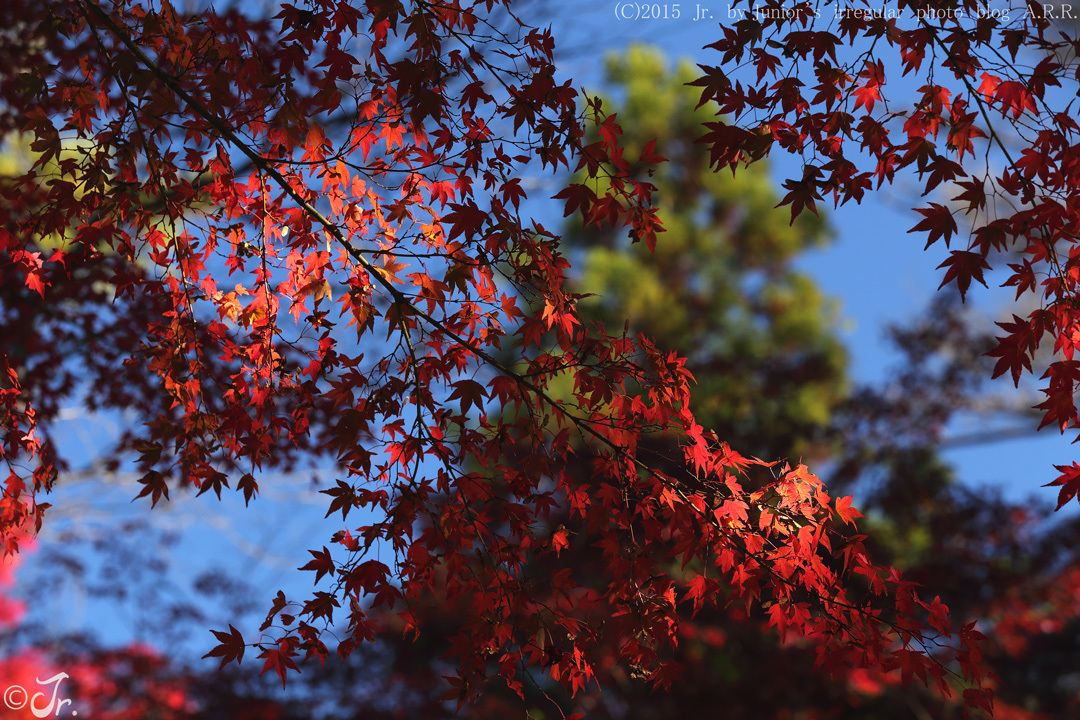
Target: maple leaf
(963, 267)
(988, 85)
(344, 499)
(368, 575)
(280, 659)
(1060, 405)
(844, 510)
(800, 195)
(1015, 98)
(778, 618)
(577, 196)
(215, 482)
(702, 589)
(230, 647)
(470, 393)
(560, 541)
(938, 222)
(1014, 351)
(869, 92)
(322, 564)
(465, 219)
(154, 485)
(1069, 481)
(974, 195)
(35, 283)
(649, 154)
(249, 487)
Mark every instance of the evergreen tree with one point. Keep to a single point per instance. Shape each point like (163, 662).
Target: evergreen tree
(721, 287)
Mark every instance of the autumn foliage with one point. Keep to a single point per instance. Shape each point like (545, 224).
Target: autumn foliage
(987, 69)
(282, 239)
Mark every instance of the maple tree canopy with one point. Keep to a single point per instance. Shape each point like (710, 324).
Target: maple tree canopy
(274, 240)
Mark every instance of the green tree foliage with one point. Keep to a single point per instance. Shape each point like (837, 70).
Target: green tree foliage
(721, 287)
